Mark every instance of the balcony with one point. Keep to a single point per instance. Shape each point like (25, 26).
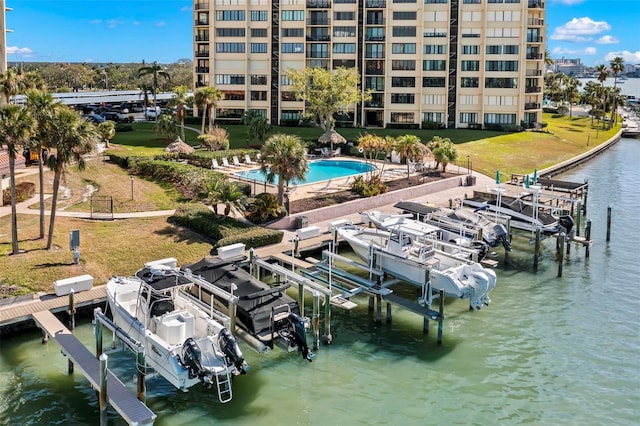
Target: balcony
(318, 4)
(374, 38)
(202, 70)
(536, 22)
(534, 56)
(201, 84)
(534, 73)
(536, 4)
(324, 37)
(533, 89)
(202, 38)
(202, 22)
(531, 105)
(202, 6)
(202, 54)
(376, 4)
(534, 39)
(319, 21)
(375, 21)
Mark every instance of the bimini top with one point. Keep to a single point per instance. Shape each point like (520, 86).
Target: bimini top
(162, 278)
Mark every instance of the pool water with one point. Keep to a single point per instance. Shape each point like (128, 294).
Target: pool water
(318, 171)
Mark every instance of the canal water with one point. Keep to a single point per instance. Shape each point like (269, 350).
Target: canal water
(547, 350)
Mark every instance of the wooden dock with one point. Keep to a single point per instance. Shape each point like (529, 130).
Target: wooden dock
(121, 399)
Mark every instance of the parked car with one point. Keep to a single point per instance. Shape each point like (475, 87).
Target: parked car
(151, 113)
(94, 118)
(117, 117)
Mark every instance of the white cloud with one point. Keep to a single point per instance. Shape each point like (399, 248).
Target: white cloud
(607, 39)
(112, 23)
(161, 24)
(569, 2)
(23, 52)
(186, 9)
(559, 51)
(629, 57)
(580, 30)
(95, 21)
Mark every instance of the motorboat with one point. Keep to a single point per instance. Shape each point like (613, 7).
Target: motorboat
(431, 229)
(459, 222)
(183, 343)
(409, 253)
(267, 313)
(524, 213)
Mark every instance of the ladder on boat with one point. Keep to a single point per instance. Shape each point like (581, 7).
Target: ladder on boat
(223, 383)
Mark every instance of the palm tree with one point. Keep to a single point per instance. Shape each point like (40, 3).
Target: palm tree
(155, 71)
(211, 191)
(435, 143)
(571, 85)
(283, 157)
(592, 96)
(179, 101)
(616, 66)
(445, 153)
(603, 73)
(70, 138)
(548, 60)
(145, 89)
(207, 99)
(16, 126)
(106, 130)
(257, 124)
(409, 148)
(41, 104)
(166, 125)
(233, 198)
(10, 84)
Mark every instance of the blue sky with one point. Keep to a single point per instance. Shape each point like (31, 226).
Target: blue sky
(161, 30)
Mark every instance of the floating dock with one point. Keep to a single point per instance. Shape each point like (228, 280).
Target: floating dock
(133, 411)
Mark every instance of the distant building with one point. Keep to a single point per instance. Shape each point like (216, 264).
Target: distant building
(571, 67)
(455, 63)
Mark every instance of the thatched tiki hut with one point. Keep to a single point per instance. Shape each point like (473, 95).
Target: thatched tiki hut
(180, 147)
(331, 137)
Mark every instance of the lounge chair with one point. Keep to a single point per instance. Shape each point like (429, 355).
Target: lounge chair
(215, 165)
(248, 161)
(307, 155)
(225, 163)
(347, 182)
(236, 162)
(326, 187)
(325, 152)
(336, 153)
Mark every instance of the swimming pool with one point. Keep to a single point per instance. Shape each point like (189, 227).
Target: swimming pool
(318, 170)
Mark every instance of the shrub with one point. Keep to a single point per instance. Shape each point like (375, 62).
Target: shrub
(430, 125)
(369, 188)
(265, 208)
(120, 127)
(223, 230)
(24, 191)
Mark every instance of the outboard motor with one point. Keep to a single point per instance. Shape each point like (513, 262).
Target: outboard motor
(566, 222)
(191, 356)
(233, 355)
(482, 247)
(300, 336)
(502, 236)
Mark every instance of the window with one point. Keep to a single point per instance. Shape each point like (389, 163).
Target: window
(293, 32)
(344, 31)
(374, 34)
(402, 98)
(292, 47)
(468, 117)
(433, 82)
(403, 65)
(494, 50)
(470, 49)
(293, 15)
(469, 82)
(259, 15)
(470, 65)
(374, 50)
(258, 32)
(288, 96)
(230, 15)
(434, 1)
(434, 49)
(344, 16)
(230, 48)
(344, 48)
(233, 95)
(230, 32)
(290, 114)
(501, 83)
(406, 48)
(285, 80)
(432, 117)
(229, 79)
(501, 66)
(435, 33)
(510, 49)
(258, 79)
(258, 47)
(433, 65)
(402, 117)
(404, 1)
(403, 31)
(500, 119)
(344, 63)
(404, 16)
(374, 83)
(403, 82)
(471, 1)
(318, 51)
(258, 95)
(374, 67)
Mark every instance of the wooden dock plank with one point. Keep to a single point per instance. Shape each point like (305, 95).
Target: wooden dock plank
(121, 399)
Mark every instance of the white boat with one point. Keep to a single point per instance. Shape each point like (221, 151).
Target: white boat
(183, 343)
(408, 252)
(459, 222)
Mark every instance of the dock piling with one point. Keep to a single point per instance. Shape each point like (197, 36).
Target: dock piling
(316, 321)
(378, 308)
(102, 395)
(98, 328)
(440, 316)
(578, 217)
(327, 338)
(536, 251)
(72, 310)
(388, 313)
(561, 241)
(141, 371)
(587, 236)
(608, 223)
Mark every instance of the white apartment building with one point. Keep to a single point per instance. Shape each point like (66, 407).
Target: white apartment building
(457, 63)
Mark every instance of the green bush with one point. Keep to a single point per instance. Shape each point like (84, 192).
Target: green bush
(120, 127)
(369, 188)
(265, 208)
(24, 191)
(223, 230)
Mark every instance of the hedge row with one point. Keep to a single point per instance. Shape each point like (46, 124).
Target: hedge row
(223, 230)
